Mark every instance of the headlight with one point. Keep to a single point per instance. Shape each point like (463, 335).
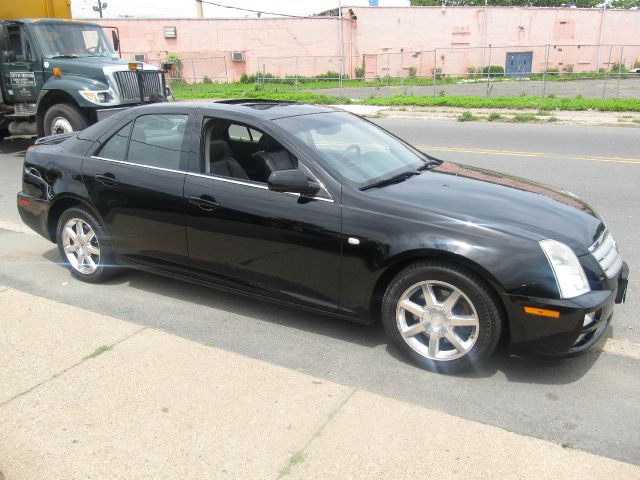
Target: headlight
(100, 98)
(566, 268)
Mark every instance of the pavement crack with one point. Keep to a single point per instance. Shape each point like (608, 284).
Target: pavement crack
(317, 433)
(71, 367)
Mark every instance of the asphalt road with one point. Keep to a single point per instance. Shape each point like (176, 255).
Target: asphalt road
(589, 402)
(628, 87)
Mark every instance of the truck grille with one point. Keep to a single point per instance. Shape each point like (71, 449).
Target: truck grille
(606, 254)
(128, 84)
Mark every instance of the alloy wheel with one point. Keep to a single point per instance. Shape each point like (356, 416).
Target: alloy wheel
(437, 320)
(81, 246)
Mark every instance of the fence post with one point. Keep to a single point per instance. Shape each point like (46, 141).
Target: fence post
(489, 70)
(620, 63)
(433, 70)
(226, 73)
(193, 70)
(401, 68)
(606, 77)
(544, 74)
(296, 79)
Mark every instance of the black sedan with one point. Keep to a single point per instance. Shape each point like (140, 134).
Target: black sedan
(318, 208)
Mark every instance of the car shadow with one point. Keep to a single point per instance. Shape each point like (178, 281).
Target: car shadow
(15, 145)
(530, 369)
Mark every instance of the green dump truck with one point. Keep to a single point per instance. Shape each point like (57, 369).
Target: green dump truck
(59, 75)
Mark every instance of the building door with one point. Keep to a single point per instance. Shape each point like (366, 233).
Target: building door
(518, 64)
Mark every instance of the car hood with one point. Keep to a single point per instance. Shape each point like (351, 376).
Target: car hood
(91, 66)
(500, 202)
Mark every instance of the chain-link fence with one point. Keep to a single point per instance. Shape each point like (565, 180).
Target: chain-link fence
(591, 71)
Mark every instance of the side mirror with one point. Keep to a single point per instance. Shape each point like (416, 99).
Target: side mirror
(11, 55)
(168, 67)
(116, 40)
(293, 181)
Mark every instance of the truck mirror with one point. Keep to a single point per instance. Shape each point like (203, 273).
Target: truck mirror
(116, 40)
(168, 67)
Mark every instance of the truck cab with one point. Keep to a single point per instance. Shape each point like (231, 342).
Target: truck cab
(60, 75)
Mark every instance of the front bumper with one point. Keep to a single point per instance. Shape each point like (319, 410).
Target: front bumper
(572, 332)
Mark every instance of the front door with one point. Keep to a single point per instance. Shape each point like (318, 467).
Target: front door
(21, 72)
(136, 182)
(243, 235)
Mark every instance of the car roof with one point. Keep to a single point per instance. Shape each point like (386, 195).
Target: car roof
(266, 109)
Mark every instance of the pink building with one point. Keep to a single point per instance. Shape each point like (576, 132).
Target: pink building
(391, 41)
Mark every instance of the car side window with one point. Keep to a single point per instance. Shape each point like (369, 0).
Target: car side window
(116, 146)
(239, 133)
(156, 140)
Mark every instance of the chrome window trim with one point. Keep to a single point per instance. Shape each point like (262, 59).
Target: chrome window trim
(261, 186)
(212, 177)
(124, 162)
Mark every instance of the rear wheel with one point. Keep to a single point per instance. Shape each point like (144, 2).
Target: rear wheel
(63, 118)
(84, 246)
(442, 316)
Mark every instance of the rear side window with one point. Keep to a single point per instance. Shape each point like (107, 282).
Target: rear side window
(156, 140)
(116, 146)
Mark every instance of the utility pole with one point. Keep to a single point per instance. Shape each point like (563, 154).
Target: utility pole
(341, 46)
(199, 5)
(100, 7)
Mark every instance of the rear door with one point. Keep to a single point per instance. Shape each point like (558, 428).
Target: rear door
(136, 181)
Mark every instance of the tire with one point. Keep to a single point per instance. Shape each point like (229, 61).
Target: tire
(63, 118)
(448, 337)
(92, 259)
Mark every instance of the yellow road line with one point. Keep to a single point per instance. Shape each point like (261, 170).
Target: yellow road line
(509, 153)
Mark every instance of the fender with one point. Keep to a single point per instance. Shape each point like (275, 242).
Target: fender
(71, 84)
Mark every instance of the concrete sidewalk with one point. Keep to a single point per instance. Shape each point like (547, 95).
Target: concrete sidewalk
(89, 396)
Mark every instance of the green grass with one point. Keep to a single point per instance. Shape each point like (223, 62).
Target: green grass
(493, 116)
(514, 102)
(98, 351)
(296, 458)
(185, 91)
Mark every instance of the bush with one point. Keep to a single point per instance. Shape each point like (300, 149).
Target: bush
(568, 68)
(206, 79)
(473, 71)
(359, 72)
(493, 116)
(553, 71)
(493, 70)
(636, 64)
(177, 61)
(618, 66)
(411, 72)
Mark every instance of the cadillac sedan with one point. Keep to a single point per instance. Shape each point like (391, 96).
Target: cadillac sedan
(317, 208)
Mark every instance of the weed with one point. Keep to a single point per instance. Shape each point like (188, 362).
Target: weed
(467, 117)
(524, 117)
(552, 119)
(493, 116)
(295, 459)
(98, 351)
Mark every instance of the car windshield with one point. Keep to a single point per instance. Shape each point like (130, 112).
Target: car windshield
(73, 40)
(353, 149)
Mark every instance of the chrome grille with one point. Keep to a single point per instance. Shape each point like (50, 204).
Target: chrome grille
(606, 254)
(128, 84)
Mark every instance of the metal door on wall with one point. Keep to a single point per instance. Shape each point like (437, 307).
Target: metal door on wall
(518, 64)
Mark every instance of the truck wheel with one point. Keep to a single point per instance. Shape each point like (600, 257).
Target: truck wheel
(63, 118)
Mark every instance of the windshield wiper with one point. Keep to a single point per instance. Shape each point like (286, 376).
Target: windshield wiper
(431, 163)
(65, 56)
(401, 177)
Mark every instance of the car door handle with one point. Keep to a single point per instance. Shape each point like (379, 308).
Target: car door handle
(205, 202)
(108, 180)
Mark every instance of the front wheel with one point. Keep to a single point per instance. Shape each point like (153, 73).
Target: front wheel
(442, 316)
(63, 118)
(84, 246)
